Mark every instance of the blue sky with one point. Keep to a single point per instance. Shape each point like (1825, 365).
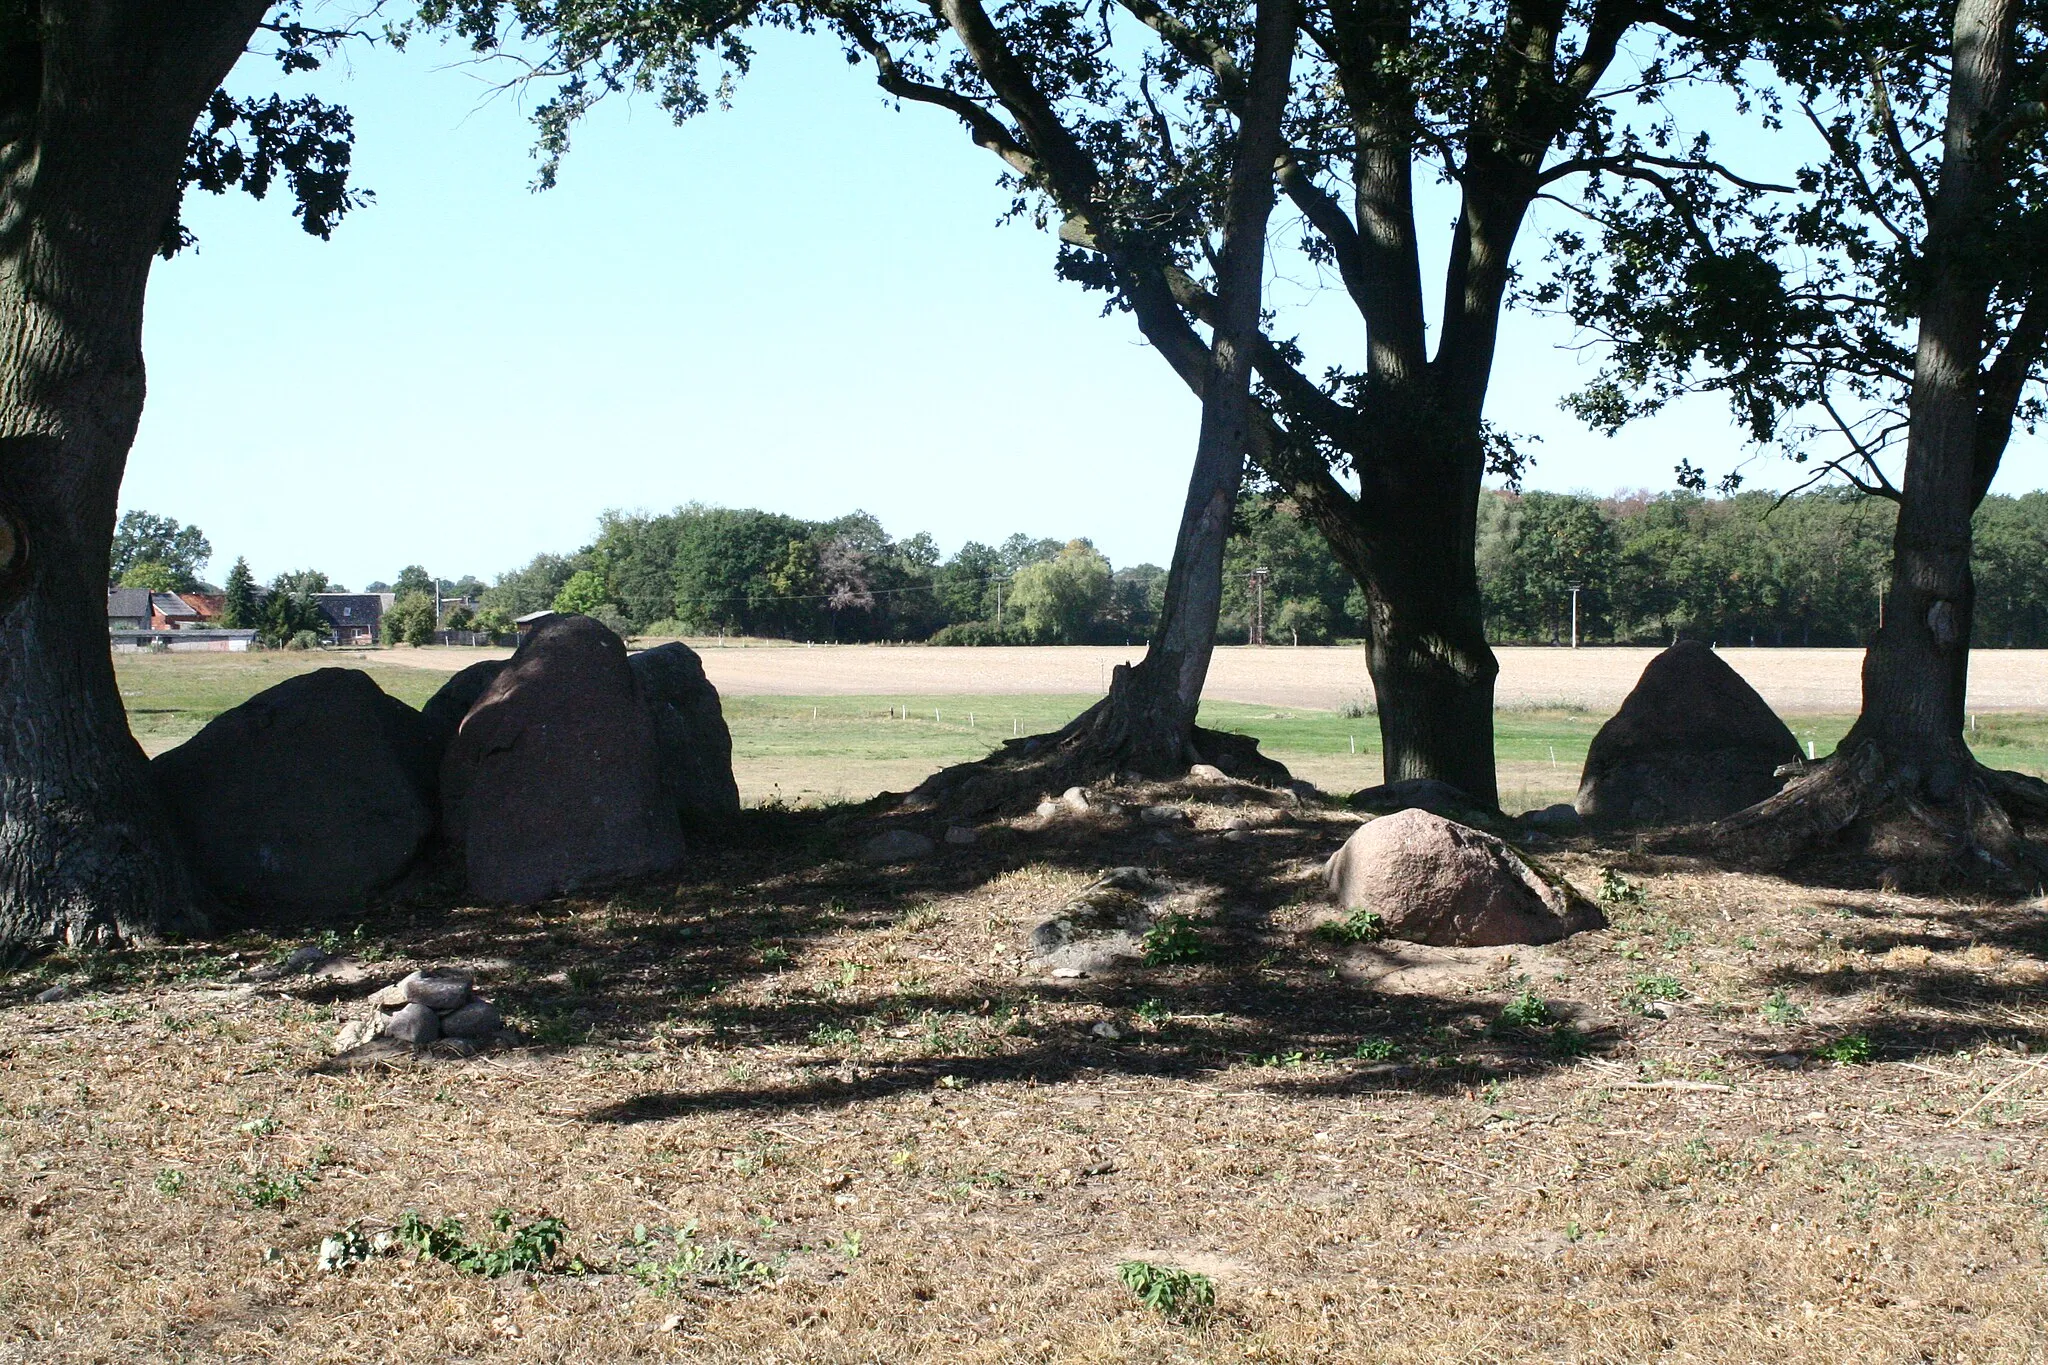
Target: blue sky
(804, 304)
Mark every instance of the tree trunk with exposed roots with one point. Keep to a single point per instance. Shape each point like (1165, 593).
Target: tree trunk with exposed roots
(1903, 785)
(1146, 726)
(97, 104)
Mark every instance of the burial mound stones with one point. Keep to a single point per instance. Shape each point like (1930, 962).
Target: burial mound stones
(428, 1006)
(553, 782)
(444, 710)
(1103, 928)
(316, 793)
(690, 734)
(1692, 742)
(1435, 881)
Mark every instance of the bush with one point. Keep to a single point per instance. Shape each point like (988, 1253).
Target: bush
(305, 639)
(971, 633)
(410, 621)
(666, 628)
(612, 620)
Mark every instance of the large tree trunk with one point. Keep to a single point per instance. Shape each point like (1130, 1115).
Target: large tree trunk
(95, 111)
(1432, 670)
(1146, 725)
(1903, 776)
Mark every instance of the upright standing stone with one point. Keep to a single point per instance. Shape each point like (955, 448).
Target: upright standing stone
(552, 783)
(689, 733)
(315, 794)
(1693, 742)
(444, 710)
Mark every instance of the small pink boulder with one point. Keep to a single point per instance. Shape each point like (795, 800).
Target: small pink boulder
(1435, 881)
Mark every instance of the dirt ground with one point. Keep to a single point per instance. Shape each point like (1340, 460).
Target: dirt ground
(1793, 681)
(790, 1107)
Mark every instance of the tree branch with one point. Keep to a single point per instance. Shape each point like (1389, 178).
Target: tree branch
(985, 128)
(2003, 384)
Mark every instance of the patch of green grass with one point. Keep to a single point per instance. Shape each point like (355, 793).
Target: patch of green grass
(1168, 1290)
(1173, 938)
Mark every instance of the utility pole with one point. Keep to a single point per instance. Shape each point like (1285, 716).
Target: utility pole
(1258, 626)
(1575, 614)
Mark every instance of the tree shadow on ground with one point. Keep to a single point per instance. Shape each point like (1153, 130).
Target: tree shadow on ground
(660, 960)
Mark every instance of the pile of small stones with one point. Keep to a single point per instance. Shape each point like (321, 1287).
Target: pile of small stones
(428, 1006)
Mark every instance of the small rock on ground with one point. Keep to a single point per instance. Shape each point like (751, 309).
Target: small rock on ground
(477, 1019)
(438, 988)
(53, 995)
(415, 1024)
(896, 846)
(960, 834)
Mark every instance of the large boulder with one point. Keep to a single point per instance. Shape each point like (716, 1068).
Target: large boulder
(444, 710)
(552, 782)
(1693, 742)
(689, 734)
(1435, 881)
(314, 794)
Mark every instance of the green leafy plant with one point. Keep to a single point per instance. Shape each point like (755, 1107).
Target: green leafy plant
(272, 1191)
(1153, 1011)
(1173, 938)
(528, 1247)
(1566, 1041)
(169, 1183)
(1360, 926)
(1526, 1010)
(775, 955)
(1168, 1290)
(1780, 1009)
(1375, 1049)
(346, 1247)
(1851, 1049)
(1616, 889)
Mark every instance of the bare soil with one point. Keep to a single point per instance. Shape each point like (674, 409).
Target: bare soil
(898, 1141)
(1793, 681)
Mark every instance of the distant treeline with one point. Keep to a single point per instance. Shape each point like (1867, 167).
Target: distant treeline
(1802, 571)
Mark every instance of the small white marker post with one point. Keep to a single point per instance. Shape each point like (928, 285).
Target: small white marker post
(1809, 751)
(1354, 744)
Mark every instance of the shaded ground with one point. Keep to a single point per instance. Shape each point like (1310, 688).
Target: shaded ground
(897, 1141)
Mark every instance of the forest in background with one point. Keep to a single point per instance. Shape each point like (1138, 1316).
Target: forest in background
(1752, 568)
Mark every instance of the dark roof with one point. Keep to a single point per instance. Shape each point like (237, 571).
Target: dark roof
(532, 617)
(351, 608)
(170, 604)
(128, 602)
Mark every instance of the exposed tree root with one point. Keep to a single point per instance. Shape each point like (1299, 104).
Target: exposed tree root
(1952, 821)
(1117, 738)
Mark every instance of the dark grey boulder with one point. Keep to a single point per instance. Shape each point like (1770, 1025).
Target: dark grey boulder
(444, 710)
(1692, 742)
(314, 794)
(689, 734)
(552, 782)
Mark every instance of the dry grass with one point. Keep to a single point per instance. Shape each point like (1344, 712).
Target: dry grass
(847, 1076)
